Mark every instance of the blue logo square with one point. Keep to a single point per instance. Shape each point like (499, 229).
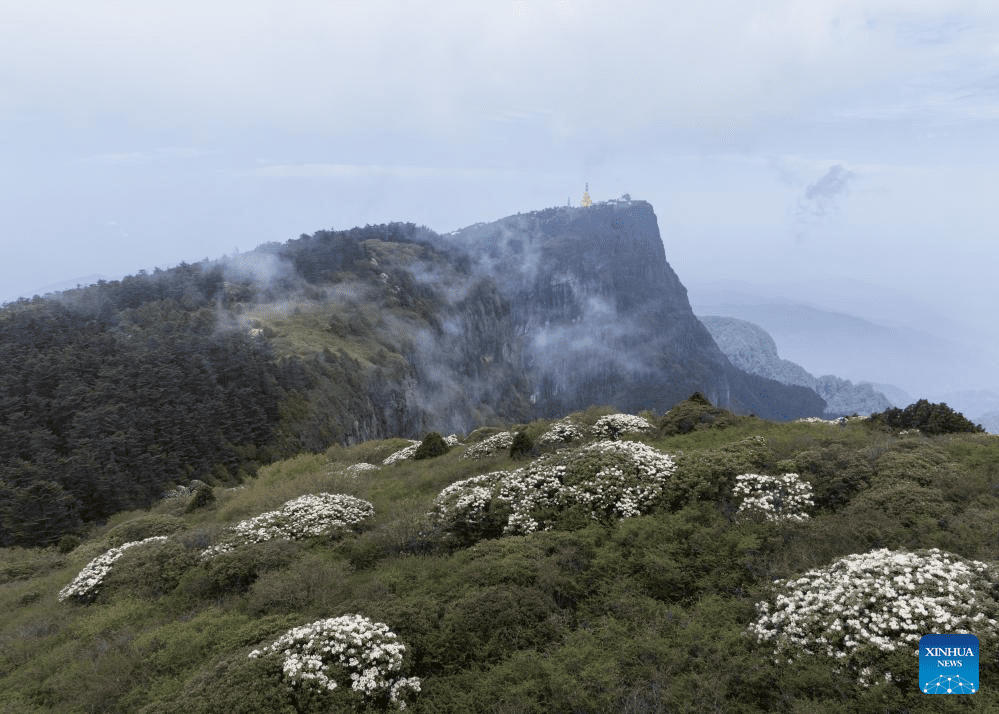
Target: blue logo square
(948, 664)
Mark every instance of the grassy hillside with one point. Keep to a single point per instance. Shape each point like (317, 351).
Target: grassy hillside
(648, 613)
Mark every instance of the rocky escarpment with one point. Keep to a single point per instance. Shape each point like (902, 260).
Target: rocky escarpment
(600, 317)
(403, 331)
(751, 348)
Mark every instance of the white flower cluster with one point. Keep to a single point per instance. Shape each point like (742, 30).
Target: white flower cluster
(302, 517)
(367, 651)
(611, 478)
(85, 584)
(402, 454)
(468, 500)
(561, 432)
(777, 498)
(878, 602)
(612, 425)
(489, 446)
(819, 420)
(355, 469)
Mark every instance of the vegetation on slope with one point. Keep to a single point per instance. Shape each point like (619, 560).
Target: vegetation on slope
(928, 418)
(650, 613)
(114, 393)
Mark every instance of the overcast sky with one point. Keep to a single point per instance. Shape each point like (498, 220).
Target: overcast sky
(845, 144)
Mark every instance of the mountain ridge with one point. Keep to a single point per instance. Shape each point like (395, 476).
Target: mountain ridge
(116, 391)
(593, 286)
(753, 349)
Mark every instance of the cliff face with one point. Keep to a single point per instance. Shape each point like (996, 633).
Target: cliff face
(599, 316)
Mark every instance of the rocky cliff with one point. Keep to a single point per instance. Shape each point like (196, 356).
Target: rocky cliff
(599, 316)
(751, 348)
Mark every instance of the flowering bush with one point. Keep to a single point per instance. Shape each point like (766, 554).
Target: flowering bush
(350, 646)
(820, 420)
(777, 498)
(85, 584)
(355, 469)
(302, 517)
(609, 479)
(864, 606)
(403, 454)
(613, 425)
(561, 432)
(486, 447)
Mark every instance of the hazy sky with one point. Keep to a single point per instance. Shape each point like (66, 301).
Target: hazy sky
(834, 143)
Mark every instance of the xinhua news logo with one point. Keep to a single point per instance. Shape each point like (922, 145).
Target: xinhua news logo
(948, 664)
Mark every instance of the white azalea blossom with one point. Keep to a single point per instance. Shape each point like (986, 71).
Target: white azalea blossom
(612, 425)
(407, 452)
(355, 469)
(350, 648)
(561, 432)
(776, 498)
(487, 447)
(611, 478)
(85, 585)
(303, 517)
(863, 606)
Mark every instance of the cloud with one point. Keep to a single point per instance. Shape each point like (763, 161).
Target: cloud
(821, 196)
(821, 199)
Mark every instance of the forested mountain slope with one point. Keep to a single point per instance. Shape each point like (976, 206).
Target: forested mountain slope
(115, 392)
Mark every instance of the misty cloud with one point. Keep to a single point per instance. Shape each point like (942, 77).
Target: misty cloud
(822, 198)
(262, 269)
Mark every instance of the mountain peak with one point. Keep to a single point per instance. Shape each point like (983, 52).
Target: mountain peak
(602, 318)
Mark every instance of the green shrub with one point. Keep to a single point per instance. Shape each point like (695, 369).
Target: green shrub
(311, 583)
(710, 474)
(904, 503)
(695, 413)
(928, 418)
(522, 446)
(234, 572)
(69, 542)
(433, 445)
(144, 527)
(680, 557)
(836, 473)
(239, 685)
(493, 622)
(203, 497)
(151, 571)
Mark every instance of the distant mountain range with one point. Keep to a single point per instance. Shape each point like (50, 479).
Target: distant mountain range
(902, 362)
(751, 348)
